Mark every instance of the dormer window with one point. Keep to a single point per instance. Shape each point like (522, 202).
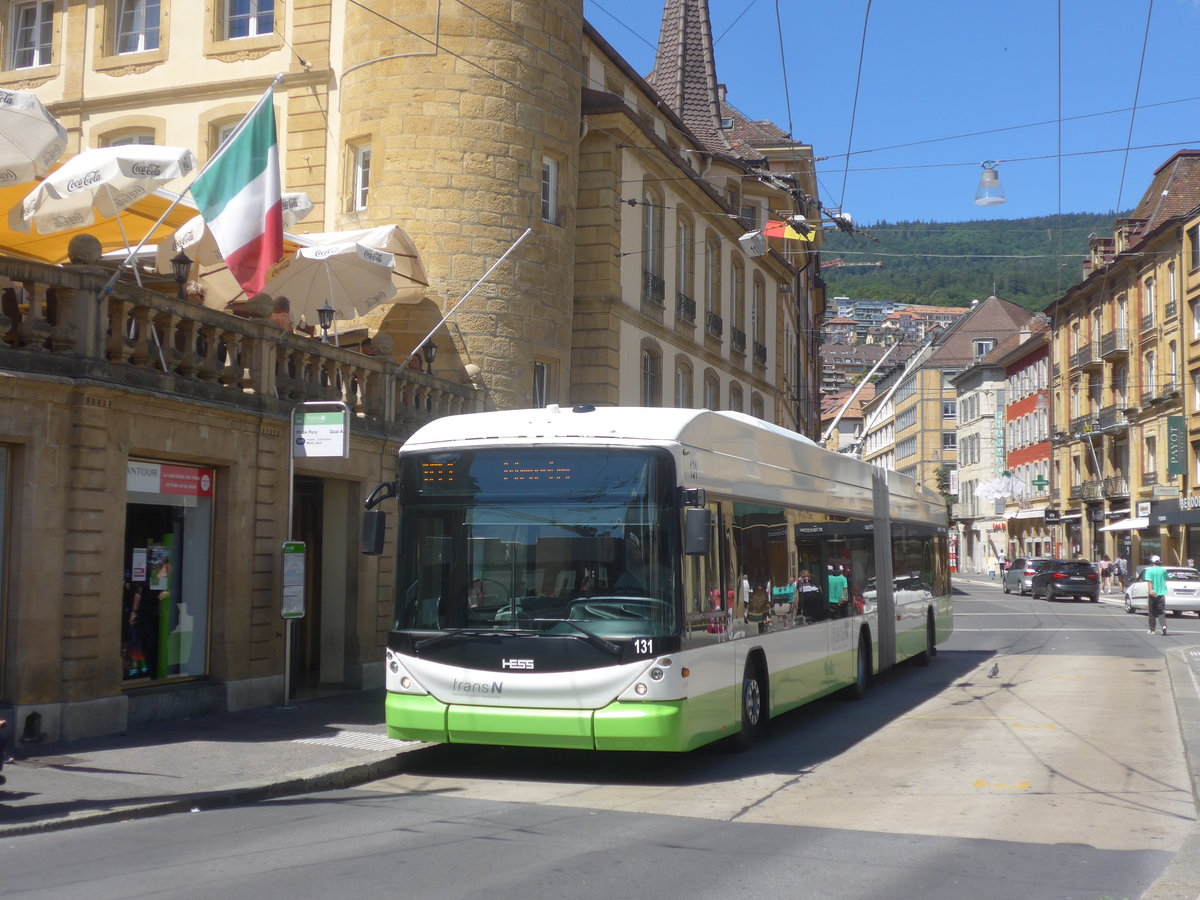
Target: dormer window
(726, 122)
(983, 346)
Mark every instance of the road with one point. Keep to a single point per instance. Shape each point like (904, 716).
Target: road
(1061, 777)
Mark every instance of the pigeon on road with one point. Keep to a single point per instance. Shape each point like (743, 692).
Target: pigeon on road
(995, 670)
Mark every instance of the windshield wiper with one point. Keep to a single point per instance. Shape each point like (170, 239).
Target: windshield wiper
(472, 632)
(591, 637)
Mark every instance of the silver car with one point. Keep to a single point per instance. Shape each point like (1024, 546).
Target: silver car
(1019, 576)
(1183, 590)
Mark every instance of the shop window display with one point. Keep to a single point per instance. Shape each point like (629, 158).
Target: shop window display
(168, 530)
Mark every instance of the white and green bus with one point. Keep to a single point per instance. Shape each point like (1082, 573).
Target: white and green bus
(645, 579)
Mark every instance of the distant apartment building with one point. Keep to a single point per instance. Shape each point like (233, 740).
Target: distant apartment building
(843, 364)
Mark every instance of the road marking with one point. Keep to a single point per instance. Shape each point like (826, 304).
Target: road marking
(1042, 727)
(356, 740)
(1019, 786)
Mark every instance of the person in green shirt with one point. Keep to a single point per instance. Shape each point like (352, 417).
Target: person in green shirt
(1156, 599)
(838, 587)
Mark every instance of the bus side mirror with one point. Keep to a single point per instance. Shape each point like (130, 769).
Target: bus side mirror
(697, 531)
(373, 527)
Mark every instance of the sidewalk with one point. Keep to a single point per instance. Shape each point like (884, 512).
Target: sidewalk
(200, 763)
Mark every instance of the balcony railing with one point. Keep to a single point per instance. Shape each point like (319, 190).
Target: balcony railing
(1092, 490)
(1116, 487)
(1147, 322)
(760, 354)
(1084, 356)
(1115, 343)
(152, 341)
(1169, 309)
(1148, 397)
(654, 288)
(686, 308)
(1113, 417)
(737, 339)
(713, 324)
(1150, 478)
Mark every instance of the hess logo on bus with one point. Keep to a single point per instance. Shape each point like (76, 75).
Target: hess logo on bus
(526, 664)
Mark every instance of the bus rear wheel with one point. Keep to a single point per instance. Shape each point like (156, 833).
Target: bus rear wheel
(923, 658)
(753, 710)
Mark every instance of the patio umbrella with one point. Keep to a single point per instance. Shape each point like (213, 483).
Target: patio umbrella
(348, 276)
(31, 139)
(102, 181)
(408, 275)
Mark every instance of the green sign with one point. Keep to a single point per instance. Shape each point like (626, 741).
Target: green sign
(1176, 446)
(1040, 483)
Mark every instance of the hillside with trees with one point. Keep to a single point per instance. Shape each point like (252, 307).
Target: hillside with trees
(1026, 261)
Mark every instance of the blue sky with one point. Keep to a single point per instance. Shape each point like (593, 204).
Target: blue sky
(947, 84)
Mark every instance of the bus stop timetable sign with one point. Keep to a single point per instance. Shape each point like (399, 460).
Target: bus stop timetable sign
(321, 434)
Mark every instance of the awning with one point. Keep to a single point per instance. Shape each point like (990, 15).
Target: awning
(136, 220)
(1127, 525)
(1026, 514)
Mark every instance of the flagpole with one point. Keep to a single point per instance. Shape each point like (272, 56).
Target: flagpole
(433, 331)
(107, 289)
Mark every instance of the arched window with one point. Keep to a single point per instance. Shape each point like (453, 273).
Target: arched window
(712, 390)
(683, 383)
(735, 397)
(756, 406)
(651, 377)
(653, 286)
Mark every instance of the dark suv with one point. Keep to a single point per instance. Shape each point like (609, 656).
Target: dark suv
(1066, 578)
(1019, 576)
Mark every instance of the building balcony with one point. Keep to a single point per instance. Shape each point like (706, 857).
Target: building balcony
(713, 325)
(1084, 425)
(760, 354)
(685, 308)
(1170, 309)
(1147, 322)
(1114, 344)
(146, 341)
(737, 339)
(1113, 418)
(1116, 487)
(1149, 478)
(654, 289)
(1085, 356)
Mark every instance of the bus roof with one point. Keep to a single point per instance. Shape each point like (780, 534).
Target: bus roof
(693, 427)
(761, 453)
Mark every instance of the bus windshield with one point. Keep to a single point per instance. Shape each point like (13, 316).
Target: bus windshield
(569, 541)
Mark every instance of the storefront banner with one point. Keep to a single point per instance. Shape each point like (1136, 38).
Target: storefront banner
(1176, 446)
(1184, 511)
(160, 478)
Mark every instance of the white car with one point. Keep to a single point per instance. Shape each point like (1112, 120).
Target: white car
(1183, 590)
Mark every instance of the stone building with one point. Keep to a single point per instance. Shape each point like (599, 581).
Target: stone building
(1125, 385)
(147, 442)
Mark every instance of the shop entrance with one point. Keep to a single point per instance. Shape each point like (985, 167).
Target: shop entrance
(319, 519)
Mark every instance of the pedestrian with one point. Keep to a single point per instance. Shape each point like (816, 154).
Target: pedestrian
(1121, 569)
(1156, 594)
(1106, 573)
(992, 564)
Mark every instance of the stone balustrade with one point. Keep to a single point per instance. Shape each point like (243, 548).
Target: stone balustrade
(60, 320)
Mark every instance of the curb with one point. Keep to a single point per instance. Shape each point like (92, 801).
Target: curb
(322, 778)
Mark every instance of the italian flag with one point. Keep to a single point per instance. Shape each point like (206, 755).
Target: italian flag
(239, 197)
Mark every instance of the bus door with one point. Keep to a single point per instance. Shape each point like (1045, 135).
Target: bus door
(812, 603)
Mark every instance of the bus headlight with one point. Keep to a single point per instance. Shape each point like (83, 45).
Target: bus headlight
(406, 682)
(640, 689)
(656, 674)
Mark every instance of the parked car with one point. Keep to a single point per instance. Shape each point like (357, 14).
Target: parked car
(1019, 577)
(1183, 590)
(1066, 578)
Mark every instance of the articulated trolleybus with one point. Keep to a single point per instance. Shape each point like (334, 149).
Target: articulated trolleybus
(645, 579)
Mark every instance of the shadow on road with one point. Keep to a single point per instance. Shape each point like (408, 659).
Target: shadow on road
(799, 741)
